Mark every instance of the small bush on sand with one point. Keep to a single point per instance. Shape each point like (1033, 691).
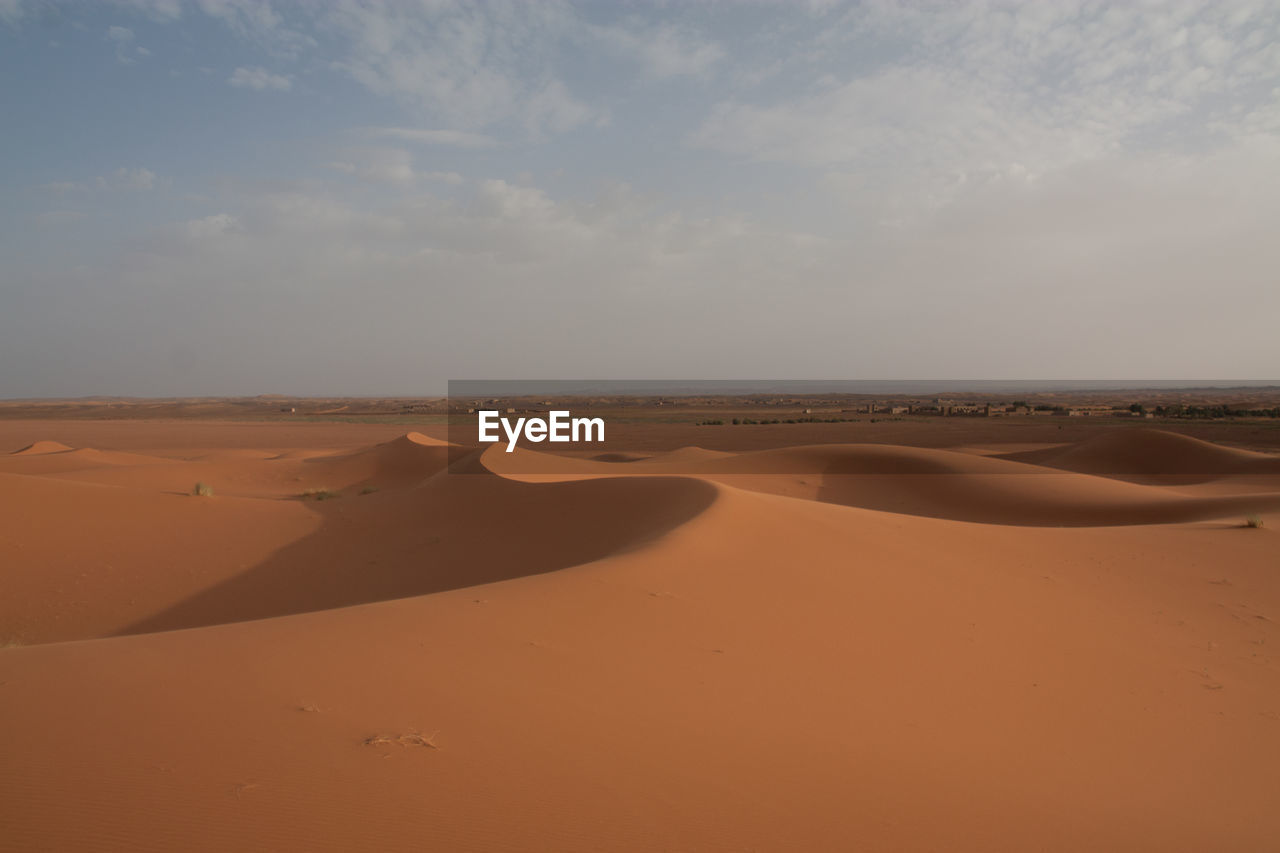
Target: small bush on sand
(1254, 521)
(368, 490)
(202, 490)
(320, 494)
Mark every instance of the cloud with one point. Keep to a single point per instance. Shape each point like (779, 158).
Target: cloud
(10, 11)
(380, 165)
(161, 11)
(127, 179)
(468, 66)
(121, 179)
(551, 109)
(391, 166)
(456, 138)
(260, 80)
(63, 187)
(210, 227)
(126, 50)
(443, 177)
(960, 95)
(54, 218)
(257, 21)
(663, 51)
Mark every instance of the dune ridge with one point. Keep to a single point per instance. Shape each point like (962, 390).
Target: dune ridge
(42, 447)
(1145, 451)
(920, 481)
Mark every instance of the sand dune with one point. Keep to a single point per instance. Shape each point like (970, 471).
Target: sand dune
(399, 462)
(85, 560)
(450, 532)
(56, 458)
(920, 481)
(807, 648)
(1142, 451)
(42, 447)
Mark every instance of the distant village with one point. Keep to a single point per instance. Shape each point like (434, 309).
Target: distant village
(802, 409)
(1180, 404)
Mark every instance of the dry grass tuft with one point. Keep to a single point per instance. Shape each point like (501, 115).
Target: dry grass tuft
(1254, 521)
(202, 490)
(410, 739)
(320, 494)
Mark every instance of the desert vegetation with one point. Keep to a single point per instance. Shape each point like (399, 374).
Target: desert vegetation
(320, 494)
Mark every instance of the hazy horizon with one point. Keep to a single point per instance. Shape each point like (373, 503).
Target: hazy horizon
(231, 198)
(733, 387)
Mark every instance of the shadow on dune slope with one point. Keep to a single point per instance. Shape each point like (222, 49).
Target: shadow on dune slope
(400, 462)
(1151, 455)
(447, 533)
(938, 483)
(944, 484)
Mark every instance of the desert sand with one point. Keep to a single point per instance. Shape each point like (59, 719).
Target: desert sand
(368, 639)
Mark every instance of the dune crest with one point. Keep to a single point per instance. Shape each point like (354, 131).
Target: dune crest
(42, 447)
(400, 462)
(914, 481)
(424, 440)
(1153, 452)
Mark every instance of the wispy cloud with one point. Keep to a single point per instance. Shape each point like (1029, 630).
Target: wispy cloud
(162, 11)
(64, 187)
(259, 22)
(1011, 92)
(127, 179)
(210, 227)
(260, 80)
(662, 51)
(137, 178)
(10, 11)
(391, 166)
(469, 65)
(456, 138)
(126, 51)
(380, 165)
(54, 218)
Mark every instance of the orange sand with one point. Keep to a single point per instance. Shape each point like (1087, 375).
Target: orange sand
(831, 647)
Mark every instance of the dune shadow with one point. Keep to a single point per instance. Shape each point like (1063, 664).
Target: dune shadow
(1055, 499)
(451, 531)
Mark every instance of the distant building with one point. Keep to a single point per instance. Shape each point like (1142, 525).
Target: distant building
(1086, 412)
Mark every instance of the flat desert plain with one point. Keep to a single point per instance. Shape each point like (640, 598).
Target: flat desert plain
(368, 639)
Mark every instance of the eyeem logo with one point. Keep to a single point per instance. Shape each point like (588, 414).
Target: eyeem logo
(558, 426)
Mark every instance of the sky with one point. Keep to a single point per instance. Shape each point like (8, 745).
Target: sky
(238, 197)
